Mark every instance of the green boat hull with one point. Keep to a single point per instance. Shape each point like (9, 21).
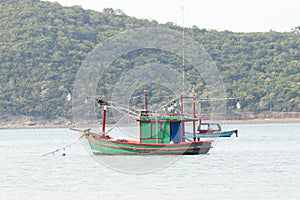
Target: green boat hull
(126, 147)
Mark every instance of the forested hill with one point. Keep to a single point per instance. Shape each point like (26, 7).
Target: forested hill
(42, 45)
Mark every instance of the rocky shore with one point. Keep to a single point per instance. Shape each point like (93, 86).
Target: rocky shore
(11, 122)
(16, 122)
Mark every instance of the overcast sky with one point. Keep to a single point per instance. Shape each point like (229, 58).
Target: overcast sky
(232, 15)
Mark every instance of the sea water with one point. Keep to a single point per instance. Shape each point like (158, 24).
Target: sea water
(262, 163)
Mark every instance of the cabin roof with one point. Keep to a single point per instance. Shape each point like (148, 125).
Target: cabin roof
(160, 117)
(170, 118)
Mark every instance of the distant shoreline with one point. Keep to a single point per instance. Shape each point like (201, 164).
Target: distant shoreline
(70, 125)
(263, 121)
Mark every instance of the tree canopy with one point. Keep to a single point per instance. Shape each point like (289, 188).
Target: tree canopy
(43, 44)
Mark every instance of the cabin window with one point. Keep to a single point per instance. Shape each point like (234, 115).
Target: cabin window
(210, 127)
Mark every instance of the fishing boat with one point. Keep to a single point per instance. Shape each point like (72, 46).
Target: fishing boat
(158, 134)
(209, 130)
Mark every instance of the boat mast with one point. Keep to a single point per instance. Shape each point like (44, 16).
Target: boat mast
(145, 100)
(181, 104)
(183, 63)
(181, 122)
(103, 119)
(181, 96)
(194, 116)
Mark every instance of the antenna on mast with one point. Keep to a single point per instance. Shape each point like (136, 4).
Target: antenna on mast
(182, 50)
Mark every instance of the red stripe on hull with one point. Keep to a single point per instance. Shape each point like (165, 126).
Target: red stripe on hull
(97, 137)
(151, 149)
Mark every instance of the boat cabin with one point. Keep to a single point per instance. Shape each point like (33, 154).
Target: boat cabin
(164, 128)
(209, 127)
(161, 129)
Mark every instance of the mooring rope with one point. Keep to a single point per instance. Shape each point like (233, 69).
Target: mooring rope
(85, 133)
